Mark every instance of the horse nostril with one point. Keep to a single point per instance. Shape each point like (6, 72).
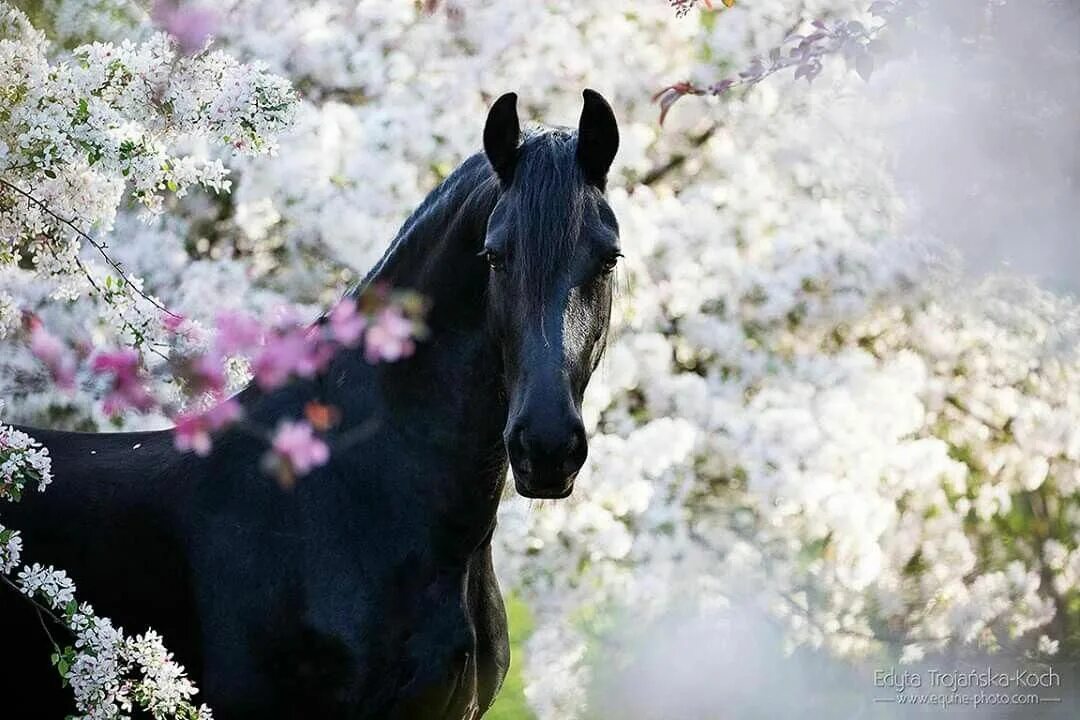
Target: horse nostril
(574, 453)
(570, 467)
(518, 448)
(555, 450)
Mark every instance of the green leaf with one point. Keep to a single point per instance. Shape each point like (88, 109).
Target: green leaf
(82, 114)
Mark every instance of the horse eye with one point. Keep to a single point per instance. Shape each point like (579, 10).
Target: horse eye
(493, 258)
(611, 261)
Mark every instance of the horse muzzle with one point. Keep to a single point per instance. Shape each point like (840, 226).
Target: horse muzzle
(546, 461)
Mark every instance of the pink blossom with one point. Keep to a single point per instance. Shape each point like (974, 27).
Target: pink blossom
(296, 443)
(347, 323)
(49, 350)
(172, 321)
(191, 433)
(284, 354)
(123, 363)
(189, 25)
(237, 332)
(224, 413)
(208, 375)
(192, 430)
(296, 351)
(127, 390)
(390, 337)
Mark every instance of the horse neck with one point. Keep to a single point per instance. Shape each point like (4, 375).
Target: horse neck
(435, 251)
(455, 375)
(448, 396)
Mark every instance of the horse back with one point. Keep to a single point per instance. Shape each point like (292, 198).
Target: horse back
(113, 520)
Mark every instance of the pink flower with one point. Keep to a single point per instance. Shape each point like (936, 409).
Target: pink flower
(282, 355)
(192, 431)
(127, 390)
(296, 443)
(208, 375)
(297, 351)
(120, 362)
(189, 25)
(237, 332)
(390, 338)
(172, 321)
(49, 350)
(347, 323)
(224, 413)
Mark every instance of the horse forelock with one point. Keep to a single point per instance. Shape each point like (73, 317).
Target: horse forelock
(548, 195)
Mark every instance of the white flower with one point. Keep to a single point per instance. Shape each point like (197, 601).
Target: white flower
(10, 549)
(1048, 646)
(23, 461)
(793, 394)
(912, 653)
(53, 586)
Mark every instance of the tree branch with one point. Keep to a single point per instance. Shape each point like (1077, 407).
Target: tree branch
(676, 161)
(98, 245)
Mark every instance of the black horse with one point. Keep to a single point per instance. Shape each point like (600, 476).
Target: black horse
(367, 590)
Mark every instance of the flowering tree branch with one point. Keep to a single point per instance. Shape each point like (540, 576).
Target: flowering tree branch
(384, 324)
(676, 161)
(76, 136)
(109, 673)
(97, 245)
(805, 52)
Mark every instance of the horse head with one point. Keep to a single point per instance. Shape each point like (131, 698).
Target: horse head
(551, 244)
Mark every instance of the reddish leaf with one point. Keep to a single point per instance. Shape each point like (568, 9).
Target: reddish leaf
(322, 417)
(722, 87)
(669, 96)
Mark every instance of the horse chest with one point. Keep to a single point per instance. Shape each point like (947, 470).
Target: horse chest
(313, 628)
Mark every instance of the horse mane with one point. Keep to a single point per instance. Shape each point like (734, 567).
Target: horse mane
(547, 206)
(435, 212)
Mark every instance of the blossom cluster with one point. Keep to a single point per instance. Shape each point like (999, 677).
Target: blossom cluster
(385, 323)
(23, 462)
(79, 135)
(109, 673)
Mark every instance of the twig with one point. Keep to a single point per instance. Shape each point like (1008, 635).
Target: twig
(48, 634)
(676, 161)
(1002, 431)
(98, 245)
(804, 52)
(42, 611)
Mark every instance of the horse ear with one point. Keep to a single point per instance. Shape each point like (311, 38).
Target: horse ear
(501, 135)
(598, 138)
